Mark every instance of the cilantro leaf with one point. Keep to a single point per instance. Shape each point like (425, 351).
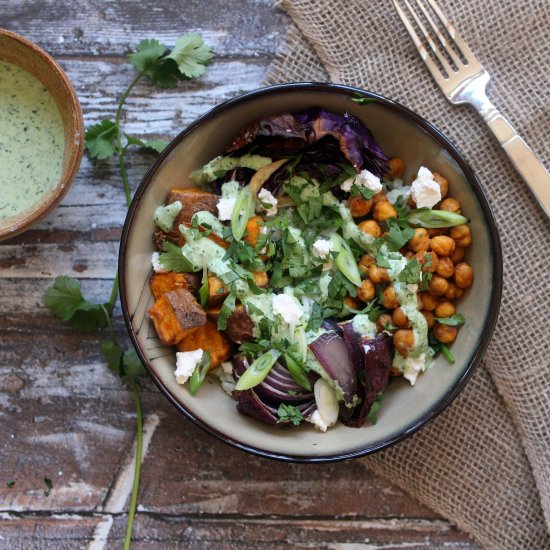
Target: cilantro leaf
(147, 53)
(133, 366)
(291, 413)
(66, 301)
(455, 320)
(112, 353)
(228, 307)
(10, 483)
(399, 234)
(155, 145)
(100, 139)
(191, 55)
(173, 259)
(411, 272)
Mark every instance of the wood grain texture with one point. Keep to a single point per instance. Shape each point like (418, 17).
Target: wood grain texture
(66, 417)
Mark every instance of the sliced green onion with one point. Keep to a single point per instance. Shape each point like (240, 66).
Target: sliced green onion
(297, 373)
(454, 321)
(447, 353)
(345, 260)
(199, 374)
(242, 212)
(433, 219)
(259, 369)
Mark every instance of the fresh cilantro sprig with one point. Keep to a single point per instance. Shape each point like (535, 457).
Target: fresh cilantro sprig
(164, 67)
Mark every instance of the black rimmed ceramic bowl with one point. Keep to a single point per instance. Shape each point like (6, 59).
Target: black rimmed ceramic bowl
(405, 409)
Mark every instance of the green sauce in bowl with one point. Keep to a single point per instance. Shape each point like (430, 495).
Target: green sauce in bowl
(31, 140)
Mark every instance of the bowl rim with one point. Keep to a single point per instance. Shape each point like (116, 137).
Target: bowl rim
(445, 400)
(23, 222)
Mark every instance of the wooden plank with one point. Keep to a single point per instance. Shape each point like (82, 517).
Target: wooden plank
(101, 28)
(232, 533)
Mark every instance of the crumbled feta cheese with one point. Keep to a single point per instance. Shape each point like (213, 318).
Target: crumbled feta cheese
(225, 208)
(363, 179)
(425, 191)
(411, 367)
(369, 180)
(157, 266)
(394, 194)
(267, 198)
(346, 184)
(288, 308)
(186, 361)
(322, 247)
(317, 420)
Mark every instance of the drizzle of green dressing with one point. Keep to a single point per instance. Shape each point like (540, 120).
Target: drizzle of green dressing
(31, 140)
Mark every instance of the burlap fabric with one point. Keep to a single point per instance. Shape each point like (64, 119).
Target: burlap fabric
(485, 462)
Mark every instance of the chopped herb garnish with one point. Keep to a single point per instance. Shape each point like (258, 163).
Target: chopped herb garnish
(49, 486)
(375, 407)
(456, 320)
(290, 413)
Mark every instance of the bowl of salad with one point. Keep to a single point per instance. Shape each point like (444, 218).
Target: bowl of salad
(310, 272)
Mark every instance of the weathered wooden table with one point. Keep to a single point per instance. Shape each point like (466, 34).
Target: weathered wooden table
(64, 416)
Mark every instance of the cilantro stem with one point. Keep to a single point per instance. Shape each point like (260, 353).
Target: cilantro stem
(120, 149)
(137, 466)
(447, 354)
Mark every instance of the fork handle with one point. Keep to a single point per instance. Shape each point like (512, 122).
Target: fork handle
(522, 156)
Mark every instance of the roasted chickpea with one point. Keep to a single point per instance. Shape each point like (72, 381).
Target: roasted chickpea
(366, 292)
(365, 262)
(436, 231)
(458, 255)
(383, 321)
(429, 319)
(429, 302)
(446, 334)
(409, 254)
(462, 235)
(450, 205)
(403, 340)
(352, 303)
(400, 319)
(438, 285)
(444, 309)
(464, 275)
(371, 227)
(443, 184)
(428, 260)
(396, 167)
(443, 245)
(384, 210)
(389, 298)
(379, 197)
(378, 274)
(420, 241)
(359, 206)
(454, 293)
(445, 267)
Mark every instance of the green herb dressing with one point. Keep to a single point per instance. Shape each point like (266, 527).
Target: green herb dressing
(31, 140)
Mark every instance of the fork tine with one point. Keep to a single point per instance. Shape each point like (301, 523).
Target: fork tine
(450, 52)
(459, 42)
(432, 67)
(441, 58)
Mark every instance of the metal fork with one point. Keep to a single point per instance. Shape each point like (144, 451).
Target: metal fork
(463, 79)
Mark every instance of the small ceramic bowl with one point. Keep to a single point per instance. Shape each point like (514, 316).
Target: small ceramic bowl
(405, 409)
(19, 51)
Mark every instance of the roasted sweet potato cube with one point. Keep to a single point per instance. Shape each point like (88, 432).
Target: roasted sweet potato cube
(210, 339)
(176, 314)
(218, 291)
(239, 326)
(160, 283)
(193, 200)
(253, 227)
